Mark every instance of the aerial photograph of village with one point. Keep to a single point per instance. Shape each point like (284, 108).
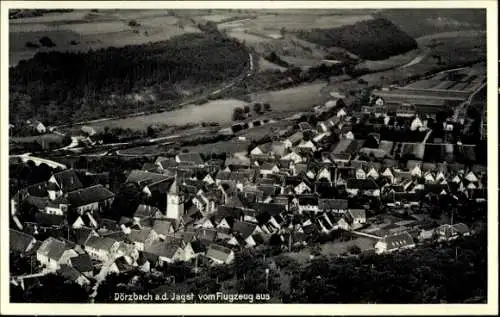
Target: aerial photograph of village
(334, 156)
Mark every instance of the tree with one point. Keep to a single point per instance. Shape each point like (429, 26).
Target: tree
(127, 200)
(238, 114)
(257, 107)
(246, 109)
(22, 265)
(354, 249)
(46, 42)
(53, 288)
(267, 107)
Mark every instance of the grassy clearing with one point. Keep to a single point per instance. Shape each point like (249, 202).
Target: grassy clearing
(338, 247)
(231, 146)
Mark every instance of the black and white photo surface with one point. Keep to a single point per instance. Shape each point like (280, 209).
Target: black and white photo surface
(248, 155)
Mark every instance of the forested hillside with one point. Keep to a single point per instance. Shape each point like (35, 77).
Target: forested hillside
(60, 87)
(375, 39)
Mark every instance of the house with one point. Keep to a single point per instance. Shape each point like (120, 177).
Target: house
(144, 212)
(339, 206)
(307, 203)
(268, 168)
(150, 182)
(83, 264)
(86, 220)
(20, 241)
(73, 275)
(101, 248)
(219, 254)
(246, 231)
(189, 158)
(37, 126)
(163, 227)
(293, 157)
(362, 186)
(143, 238)
(94, 198)
(395, 242)
(307, 145)
(294, 139)
(53, 252)
(353, 219)
(63, 182)
(162, 252)
(193, 249)
(448, 232)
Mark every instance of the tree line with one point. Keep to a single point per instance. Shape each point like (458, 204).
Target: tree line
(56, 86)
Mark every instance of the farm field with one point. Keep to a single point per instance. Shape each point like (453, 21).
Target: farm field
(454, 50)
(82, 30)
(231, 146)
(391, 62)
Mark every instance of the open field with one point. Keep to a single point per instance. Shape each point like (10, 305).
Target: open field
(446, 50)
(212, 111)
(231, 146)
(293, 99)
(391, 62)
(93, 30)
(418, 22)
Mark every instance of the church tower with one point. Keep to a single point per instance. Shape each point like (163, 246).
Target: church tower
(175, 202)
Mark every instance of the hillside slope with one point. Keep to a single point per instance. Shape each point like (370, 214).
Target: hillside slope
(421, 22)
(375, 39)
(55, 86)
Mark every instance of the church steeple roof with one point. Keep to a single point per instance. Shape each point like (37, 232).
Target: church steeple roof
(174, 188)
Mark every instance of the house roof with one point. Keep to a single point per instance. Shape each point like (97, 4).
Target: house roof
(331, 204)
(162, 226)
(146, 211)
(357, 213)
(52, 248)
(245, 229)
(100, 243)
(364, 184)
(143, 178)
(140, 235)
(44, 219)
(69, 272)
(308, 200)
(68, 180)
(461, 228)
(38, 202)
(398, 240)
(89, 195)
(197, 247)
(163, 249)
(194, 158)
(82, 263)
(269, 208)
(267, 166)
(296, 137)
(218, 252)
(19, 241)
(81, 235)
(206, 234)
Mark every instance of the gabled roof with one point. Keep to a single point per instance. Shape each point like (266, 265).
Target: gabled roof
(162, 226)
(143, 178)
(82, 263)
(197, 247)
(20, 241)
(218, 252)
(146, 211)
(52, 248)
(363, 184)
(194, 158)
(140, 235)
(68, 180)
(100, 243)
(308, 200)
(245, 229)
(89, 195)
(206, 234)
(296, 137)
(81, 235)
(461, 228)
(163, 249)
(399, 240)
(69, 272)
(331, 204)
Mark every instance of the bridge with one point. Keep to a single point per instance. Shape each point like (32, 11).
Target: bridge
(25, 158)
